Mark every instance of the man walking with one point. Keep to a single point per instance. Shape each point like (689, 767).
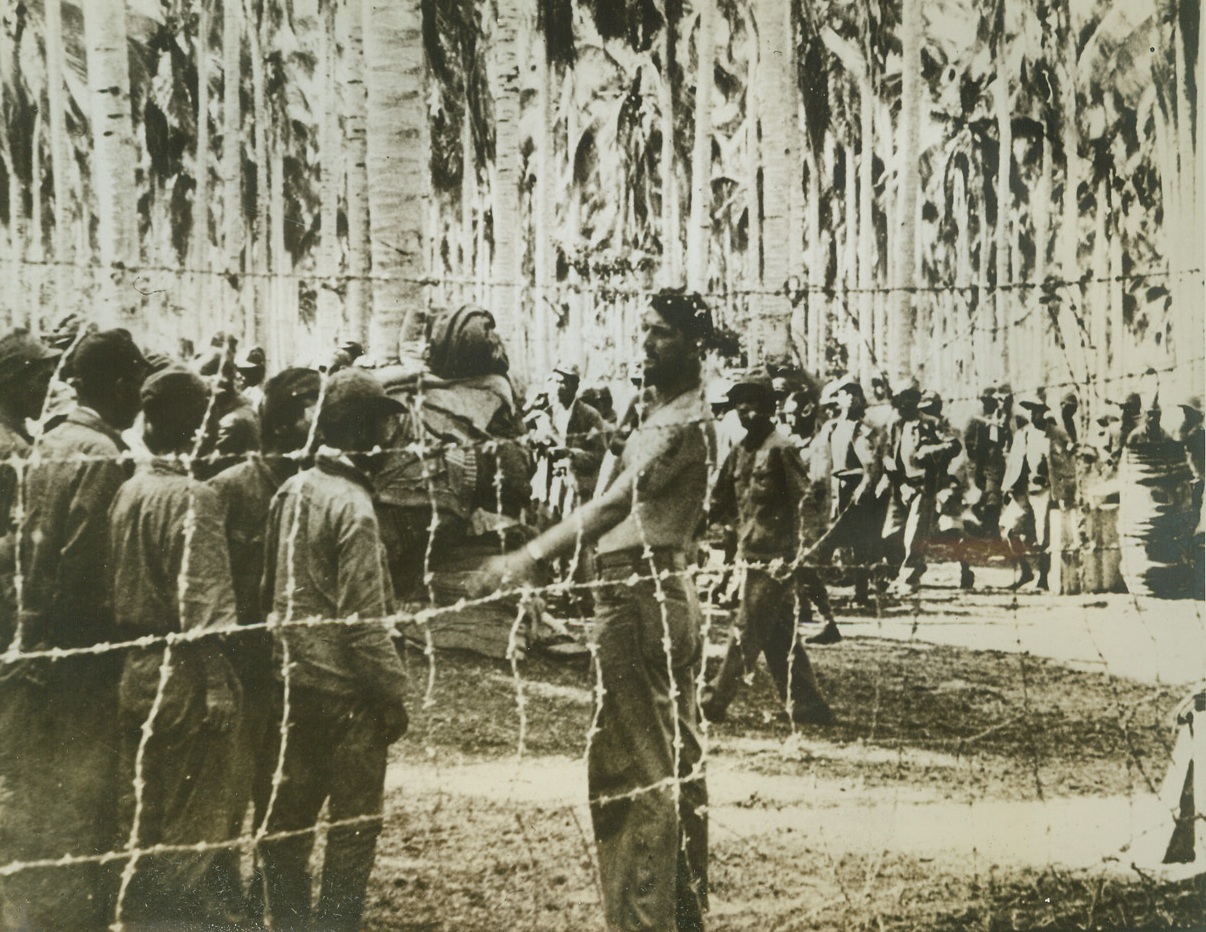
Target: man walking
(647, 789)
(64, 794)
(761, 490)
(325, 574)
(179, 702)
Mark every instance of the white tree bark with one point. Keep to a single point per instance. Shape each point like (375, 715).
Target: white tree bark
(352, 95)
(699, 228)
(902, 313)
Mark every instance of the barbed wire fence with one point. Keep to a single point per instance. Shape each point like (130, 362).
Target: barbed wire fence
(918, 610)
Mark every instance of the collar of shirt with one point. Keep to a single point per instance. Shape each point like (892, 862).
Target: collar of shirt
(338, 463)
(88, 417)
(169, 466)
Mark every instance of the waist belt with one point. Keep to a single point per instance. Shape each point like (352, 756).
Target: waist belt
(635, 559)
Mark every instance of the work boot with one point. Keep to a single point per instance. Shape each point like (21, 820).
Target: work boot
(827, 635)
(815, 713)
(1027, 575)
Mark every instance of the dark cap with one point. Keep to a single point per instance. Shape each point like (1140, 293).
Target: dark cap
(1033, 402)
(753, 389)
(686, 312)
(989, 391)
(1069, 400)
(21, 350)
(930, 399)
(906, 387)
(354, 349)
(569, 372)
(355, 394)
(1132, 404)
(175, 395)
(254, 358)
(107, 355)
(285, 387)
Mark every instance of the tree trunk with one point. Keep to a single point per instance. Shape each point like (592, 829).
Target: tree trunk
(672, 260)
(900, 337)
(507, 228)
(814, 298)
(849, 321)
(262, 236)
(699, 228)
(359, 290)
(397, 163)
(199, 236)
(866, 231)
(233, 218)
(775, 90)
(1038, 350)
(1003, 104)
(114, 154)
(542, 206)
(1098, 291)
(328, 320)
(56, 107)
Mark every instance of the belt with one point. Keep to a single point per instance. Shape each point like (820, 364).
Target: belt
(635, 559)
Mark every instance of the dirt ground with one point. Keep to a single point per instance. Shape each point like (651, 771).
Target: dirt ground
(959, 789)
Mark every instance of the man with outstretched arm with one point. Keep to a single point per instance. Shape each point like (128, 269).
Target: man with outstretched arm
(645, 776)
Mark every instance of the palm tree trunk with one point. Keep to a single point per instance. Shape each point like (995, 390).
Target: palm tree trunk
(199, 236)
(900, 322)
(542, 205)
(851, 210)
(1038, 349)
(397, 162)
(1003, 103)
(328, 321)
(775, 89)
(233, 218)
(866, 229)
(352, 96)
(1098, 291)
(671, 271)
(814, 298)
(505, 195)
(262, 321)
(699, 229)
(56, 107)
(113, 151)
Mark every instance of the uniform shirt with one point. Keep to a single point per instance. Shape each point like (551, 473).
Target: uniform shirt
(1026, 465)
(246, 490)
(64, 538)
(762, 489)
(852, 456)
(323, 559)
(14, 446)
(170, 564)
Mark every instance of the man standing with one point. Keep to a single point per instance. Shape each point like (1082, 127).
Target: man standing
(63, 796)
(325, 574)
(26, 368)
(987, 438)
(647, 789)
(246, 492)
(179, 702)
(918, 455)
(761, 490)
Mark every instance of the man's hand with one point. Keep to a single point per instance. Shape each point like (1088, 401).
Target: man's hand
(221, 706)
(499, 572)
(395, 721)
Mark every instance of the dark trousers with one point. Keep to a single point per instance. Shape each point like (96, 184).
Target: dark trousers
(185, 771)
(58, 762)
(766, 624)
(647, 789)
(335, 752)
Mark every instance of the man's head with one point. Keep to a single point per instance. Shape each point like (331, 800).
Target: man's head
(356, 412)
(26, 367)
(287, 411)
(848, 396)
(465, 343)
(1069, 404)
(989, 400)
(930, 403)
(754, 401)
(675, 327)
(252, 367)
(1036, 409)
(568, 379)
(108, 370)
(800, 411)
(175, 401)
(906, 396)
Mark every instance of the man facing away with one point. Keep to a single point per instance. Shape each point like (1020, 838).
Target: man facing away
(246, 491)
(647, 789)
(326, 576)
(761, 489)
(178, 702)
(64, 795)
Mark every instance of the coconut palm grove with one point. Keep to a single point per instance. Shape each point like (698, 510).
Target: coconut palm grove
(602, 464)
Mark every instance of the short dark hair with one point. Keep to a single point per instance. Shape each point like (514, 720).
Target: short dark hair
(686, 312)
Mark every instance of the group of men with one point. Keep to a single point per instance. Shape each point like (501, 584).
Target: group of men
(200, 573)
(163, 671)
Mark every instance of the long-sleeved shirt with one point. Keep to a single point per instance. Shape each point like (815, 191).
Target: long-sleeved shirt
(657, 493)
(170, 563)
(324, 560)
(64, 538)
(762, 490)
